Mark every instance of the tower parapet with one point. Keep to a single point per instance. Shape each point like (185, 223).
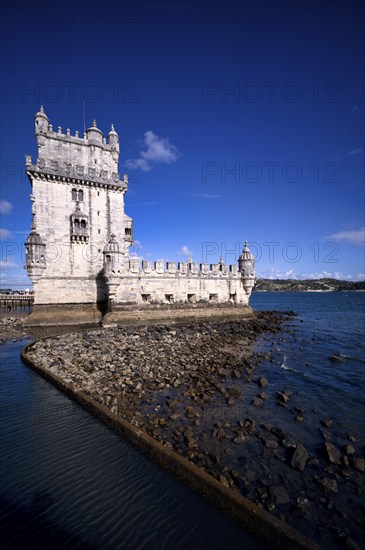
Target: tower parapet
(89, 158)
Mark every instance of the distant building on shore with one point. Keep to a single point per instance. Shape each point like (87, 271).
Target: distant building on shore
(77, 253)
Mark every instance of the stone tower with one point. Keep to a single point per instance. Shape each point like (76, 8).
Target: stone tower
(77, 205)
(77, 254)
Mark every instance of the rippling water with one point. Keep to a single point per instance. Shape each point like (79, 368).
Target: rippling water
(328, 323)
(68, 481)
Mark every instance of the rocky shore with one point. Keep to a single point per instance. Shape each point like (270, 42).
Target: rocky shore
(12, 329)
(198, 389)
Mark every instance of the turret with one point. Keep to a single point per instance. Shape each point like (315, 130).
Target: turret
(41, 122)
(246, 266)
(113, 139)
(94, 134)
(112, 257)
(113, 142)
(113, 262)
(35, 250)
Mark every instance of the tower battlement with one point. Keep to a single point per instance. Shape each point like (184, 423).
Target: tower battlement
(90, 158)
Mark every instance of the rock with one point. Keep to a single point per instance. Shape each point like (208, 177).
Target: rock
(230, 401)
(278, 432)
(299, 418)
(258, 402)
(223, 480)
(303, 507)
(281, 397)
(345, 461)
(263, 382)
(263, 395)
(279, 494)
(351, 438)
(262, 492)
(359, 464)
(327, 422)
(349, 450)
(289, 443)
(192, 413)
(271, 444)
(219, 432)
(299, 458)
(333, 454)
(239, 439)
(328, 484)
(336, 358)
(235, 392)
(326, 435)
(229, 451)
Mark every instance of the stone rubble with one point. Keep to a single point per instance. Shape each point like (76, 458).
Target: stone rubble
(12, 329)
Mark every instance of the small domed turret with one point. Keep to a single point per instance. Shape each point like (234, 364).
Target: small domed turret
(41, 121)
(113, 142)
(246, 266)
(35, 250)
(112, 256)
(112, 245)
(93, 133)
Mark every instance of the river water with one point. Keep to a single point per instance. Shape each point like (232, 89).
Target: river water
(328, 323)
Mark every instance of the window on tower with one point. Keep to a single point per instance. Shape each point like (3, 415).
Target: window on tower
(77, 195)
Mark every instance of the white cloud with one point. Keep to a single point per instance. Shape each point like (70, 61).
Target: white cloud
(7, 263)
(354, 152)
(5, 207)
(206, 196)
(356, 236)
(185, 251)
(4, 234)
(156, 150)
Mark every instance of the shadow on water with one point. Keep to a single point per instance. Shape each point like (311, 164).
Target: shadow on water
(29, 527)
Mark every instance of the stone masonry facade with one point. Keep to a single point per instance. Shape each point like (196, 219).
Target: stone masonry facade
(78, 250)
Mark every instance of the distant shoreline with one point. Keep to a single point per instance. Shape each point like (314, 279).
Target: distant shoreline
(307, 285)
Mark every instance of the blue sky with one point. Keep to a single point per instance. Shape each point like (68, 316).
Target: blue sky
(237, 120)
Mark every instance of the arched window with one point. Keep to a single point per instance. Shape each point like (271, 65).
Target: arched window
(81, 195)
(76, 224)
(74, 195)
(83, 224)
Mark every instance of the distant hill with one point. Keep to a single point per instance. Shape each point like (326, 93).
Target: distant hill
(293, 285)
